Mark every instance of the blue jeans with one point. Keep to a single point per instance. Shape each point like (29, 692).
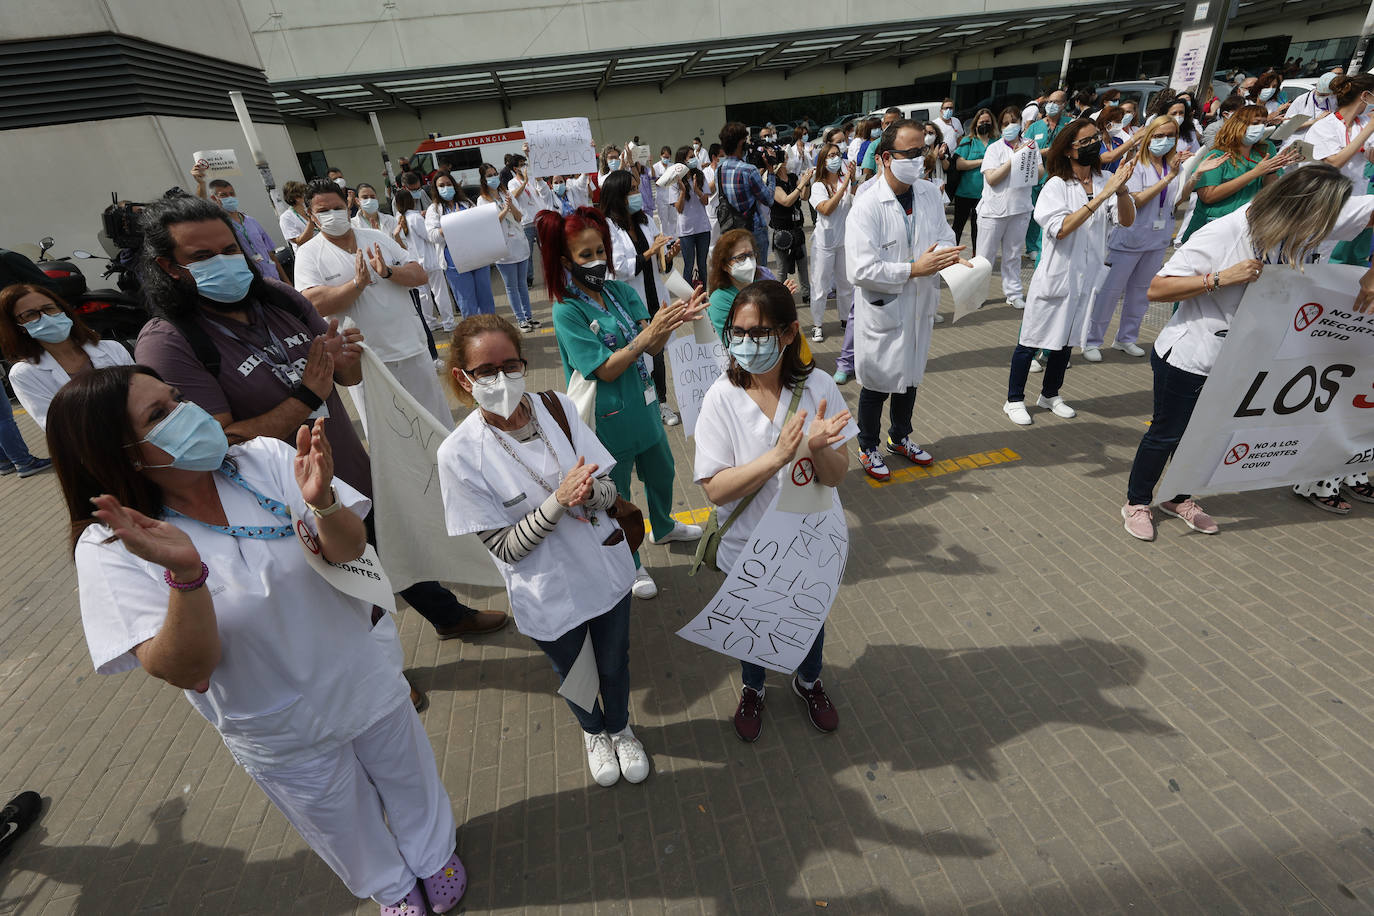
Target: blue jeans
(515, 277)
(694, 254)
(809, 670)
(472, 289)
(611, 647)
(1176, 394)
(761, 242)
(12, 448)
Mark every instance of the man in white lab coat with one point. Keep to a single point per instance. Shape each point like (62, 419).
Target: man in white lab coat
(895, 226)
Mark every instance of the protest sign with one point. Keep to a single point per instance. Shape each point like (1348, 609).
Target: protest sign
(801, 492)
(412, 536)
(474, 237)
(968, 286)
(1291, 397)
(218, 163)
(779, 593)
(695, 367)
(1025, 166)
(362, 578)
(560, 146)
(583, 682)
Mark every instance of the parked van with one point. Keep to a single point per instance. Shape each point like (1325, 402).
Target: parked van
(928, 112)
(463, 154)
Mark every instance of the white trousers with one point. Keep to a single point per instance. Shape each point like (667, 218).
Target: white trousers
(436, 303)
(374, 810)
(415, 374)
(1005, 236)
(827, 271)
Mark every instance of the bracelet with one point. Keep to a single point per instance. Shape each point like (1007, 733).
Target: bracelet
(310, 399)
(328, 510)
(187, 586)
(389, 272)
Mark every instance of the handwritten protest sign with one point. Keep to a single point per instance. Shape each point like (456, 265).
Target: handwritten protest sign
(1025, 166)
(218, 163)
(779, 593)
(412, 538)
(560, 146)
(695, 367)
(1291, 397)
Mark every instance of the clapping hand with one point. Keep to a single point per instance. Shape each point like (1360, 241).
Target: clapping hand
(362, 277)
(932, 262)
(344, 347)
(160, 543)
(377, 261)
(314, 464)
(789, 439)
(576, 486)
(826, 431)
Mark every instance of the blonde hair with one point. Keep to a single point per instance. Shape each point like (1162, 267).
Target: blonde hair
(1290, 217)
(468, 330)
(1142, 153)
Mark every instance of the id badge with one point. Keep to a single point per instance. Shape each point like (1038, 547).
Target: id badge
(1159, 222)
(650, 395)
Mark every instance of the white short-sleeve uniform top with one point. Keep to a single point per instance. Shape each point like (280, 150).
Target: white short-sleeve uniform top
(1154, 220)
(571, 577)
(829, 230)
(517, 245)
(1192, 339)
(384, 312)
(292, 224)
(1330, 135)
(733, 431)
(1002, 200)
(300, 672)
(35, 384)
(385, 222)
(418, 243)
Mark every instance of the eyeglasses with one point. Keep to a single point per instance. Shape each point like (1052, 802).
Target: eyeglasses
(756, 334)
(1088, 144)
(33, 315)
(740, 258)
(909, 153)
(486, 375)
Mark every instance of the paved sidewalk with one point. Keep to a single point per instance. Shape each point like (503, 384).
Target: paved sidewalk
(1039, 714)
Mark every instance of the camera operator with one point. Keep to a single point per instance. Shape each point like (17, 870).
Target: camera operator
(746, 191)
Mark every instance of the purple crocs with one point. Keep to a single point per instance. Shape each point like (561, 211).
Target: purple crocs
(412, 904)
(445, 887)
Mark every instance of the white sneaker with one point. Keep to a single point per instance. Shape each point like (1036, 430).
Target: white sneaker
(668, 415)
(449, 325)
(634, 763)
(1092, 354)
(1016, 302)
(1018, 413)
(1057, 405)
(439, 366)
(644, 586)
(602, 759)
(817, 334)
(1130, 349)
(680, 532)
(939, 319)
(1036, 365)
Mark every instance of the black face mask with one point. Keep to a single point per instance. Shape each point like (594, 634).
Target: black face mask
(985, 129)
(1090, 156)
(593, 277)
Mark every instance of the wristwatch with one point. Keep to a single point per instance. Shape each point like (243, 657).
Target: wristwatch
(329, 510)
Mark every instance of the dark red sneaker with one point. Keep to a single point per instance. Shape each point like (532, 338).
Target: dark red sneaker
(749, 715)
(818, 706)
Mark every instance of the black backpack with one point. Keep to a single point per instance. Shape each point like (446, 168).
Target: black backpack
(727, 217)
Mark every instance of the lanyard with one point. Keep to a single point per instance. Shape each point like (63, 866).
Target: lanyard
(278, 360)
(263, 533)
(628, 327)
(1159, 176)
(534, 475)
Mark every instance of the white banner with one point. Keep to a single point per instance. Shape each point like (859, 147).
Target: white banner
(695, 368)
(1291, 397)
(474, 237)
(218, 163)
(560, 146)
(775, 600)
(412, 538)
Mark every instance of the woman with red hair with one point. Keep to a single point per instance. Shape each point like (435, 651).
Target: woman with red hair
(607, 342)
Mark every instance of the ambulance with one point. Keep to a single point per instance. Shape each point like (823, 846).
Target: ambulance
(463, 154)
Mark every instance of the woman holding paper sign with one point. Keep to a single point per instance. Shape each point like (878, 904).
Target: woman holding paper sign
(753, 421)
(192, 568)
(1004, 209)
(607, 338)
(515, 266)
(1070, 272)
(1282, 227)
(525, 480)
(472, 288)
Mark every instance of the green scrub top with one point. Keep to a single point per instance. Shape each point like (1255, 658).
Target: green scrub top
(625, 423)
(1205, 213)
(971, 180)
(721, 300)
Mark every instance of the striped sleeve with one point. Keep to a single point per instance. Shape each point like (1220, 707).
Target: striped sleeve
(515, 542)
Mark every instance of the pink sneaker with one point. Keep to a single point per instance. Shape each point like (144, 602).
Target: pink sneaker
(1192, 515)
(1140, 522)
(445, 887)
(412, 904)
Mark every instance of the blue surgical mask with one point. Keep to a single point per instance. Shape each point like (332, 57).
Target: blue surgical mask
(1161, 145)
(493, 181)
(806, 138)
(756, 358)
(636, 202)
(1011, 132)
(369, 204)
(49, 328)
(947, 113)
(832, 164)
(192, 438)
(231, 204)
(1267, 94)
(224, 278)
(612, 164)
(1127, 118)
(1052, 109)
(1113, 103)
(875, 133)
(560, 188)
(1254, 134)
(448, 191)
(692, 162)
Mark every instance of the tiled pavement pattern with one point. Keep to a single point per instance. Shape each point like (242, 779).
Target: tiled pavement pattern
(1039, 714)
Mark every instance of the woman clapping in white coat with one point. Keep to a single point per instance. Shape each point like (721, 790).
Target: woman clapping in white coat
(1072, 269)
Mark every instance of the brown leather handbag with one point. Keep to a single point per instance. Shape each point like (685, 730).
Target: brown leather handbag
(626, 514)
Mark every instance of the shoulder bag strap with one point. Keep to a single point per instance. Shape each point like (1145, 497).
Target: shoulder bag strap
(744, 504)
(560, 416)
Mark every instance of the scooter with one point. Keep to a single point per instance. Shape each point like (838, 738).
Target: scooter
(111, 313)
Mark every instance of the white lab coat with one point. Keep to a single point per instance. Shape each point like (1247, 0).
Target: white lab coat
(894, 313)
(37, 383)
(1071, 269)
(623, 261)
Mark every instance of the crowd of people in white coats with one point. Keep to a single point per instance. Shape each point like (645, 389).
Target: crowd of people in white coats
(223, 437)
